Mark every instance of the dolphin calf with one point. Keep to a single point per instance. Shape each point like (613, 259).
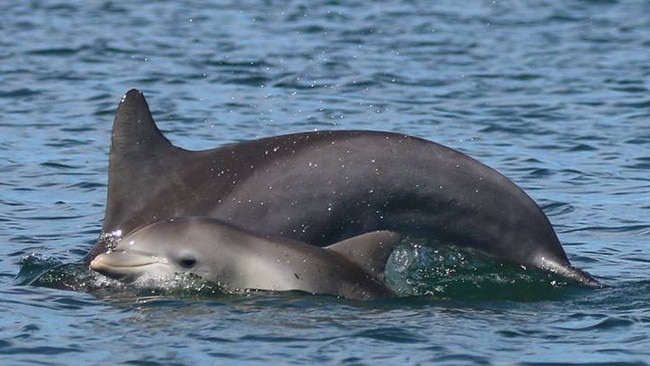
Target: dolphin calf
(238, 260)
(322, 187)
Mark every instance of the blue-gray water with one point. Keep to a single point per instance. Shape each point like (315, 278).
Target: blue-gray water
(556, 95)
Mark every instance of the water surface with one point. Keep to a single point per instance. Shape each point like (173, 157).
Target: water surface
(555, 95)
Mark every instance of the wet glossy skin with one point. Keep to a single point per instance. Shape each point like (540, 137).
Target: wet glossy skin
(321, 187)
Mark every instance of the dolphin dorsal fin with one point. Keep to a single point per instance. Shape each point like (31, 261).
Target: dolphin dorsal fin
(369, 251)
(134, 129)
(140, 157)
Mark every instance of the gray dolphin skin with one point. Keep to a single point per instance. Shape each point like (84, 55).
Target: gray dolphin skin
(238, 260)
(325, 186)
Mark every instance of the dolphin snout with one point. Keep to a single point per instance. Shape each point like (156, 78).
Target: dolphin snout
(123, 265)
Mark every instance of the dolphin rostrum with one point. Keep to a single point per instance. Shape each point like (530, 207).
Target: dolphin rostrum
(325, 186)
(238, 260)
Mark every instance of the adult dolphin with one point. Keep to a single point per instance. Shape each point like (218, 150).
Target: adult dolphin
(322, 187)
(238, 260)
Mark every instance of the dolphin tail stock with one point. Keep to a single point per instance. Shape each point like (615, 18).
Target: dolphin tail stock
(572, 273)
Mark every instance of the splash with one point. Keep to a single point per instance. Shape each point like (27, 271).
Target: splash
(421, 268)
(36, 270)
(415, 268)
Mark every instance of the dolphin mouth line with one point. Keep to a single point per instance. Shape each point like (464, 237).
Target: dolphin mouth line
(124, 265)
(128, 258)
(102, 262)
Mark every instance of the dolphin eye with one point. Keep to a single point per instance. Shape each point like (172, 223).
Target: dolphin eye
(187, 261)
